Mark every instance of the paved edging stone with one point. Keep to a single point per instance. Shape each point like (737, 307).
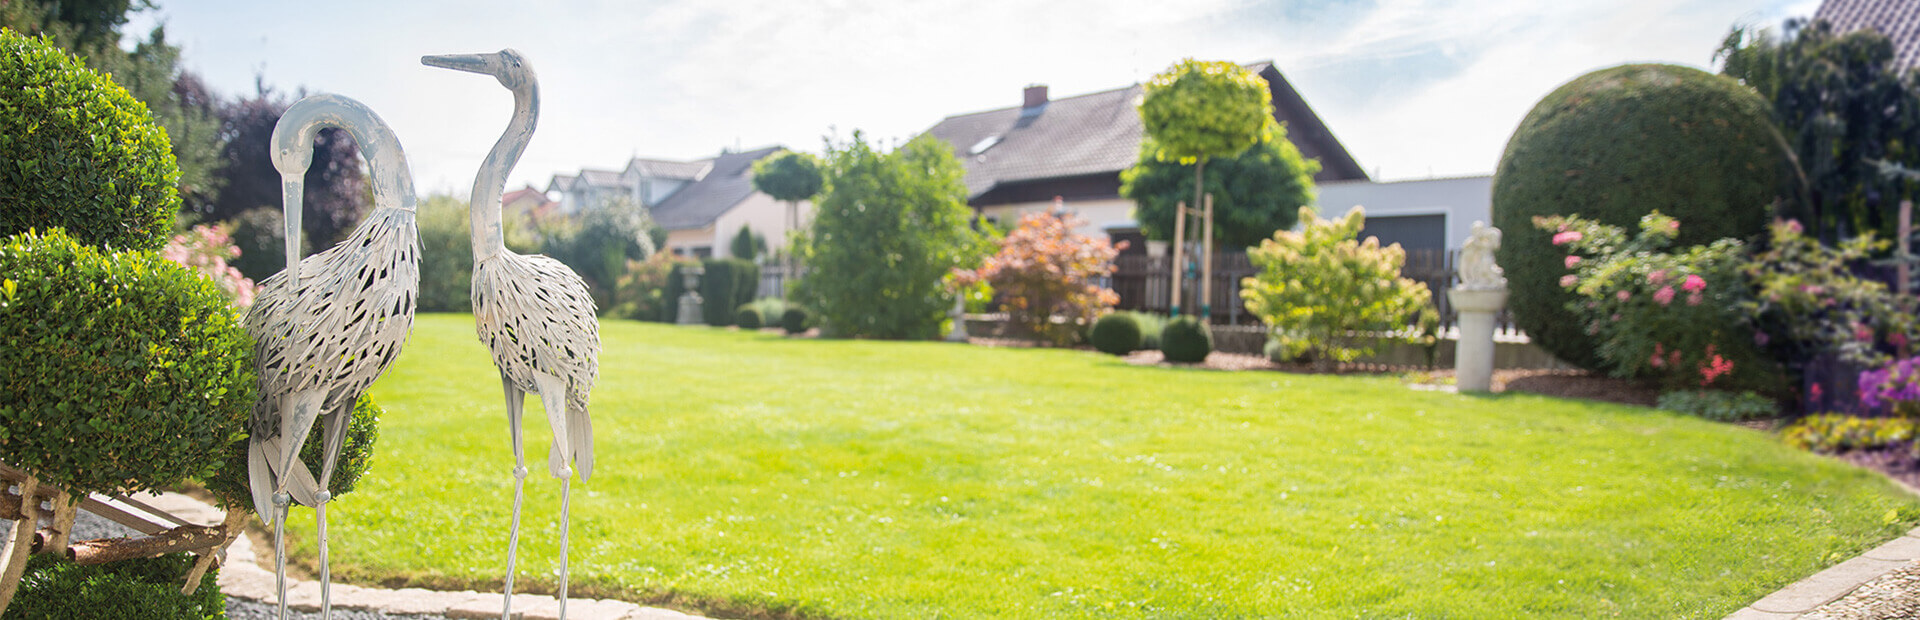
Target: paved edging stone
(242, 576)
(1830, 585)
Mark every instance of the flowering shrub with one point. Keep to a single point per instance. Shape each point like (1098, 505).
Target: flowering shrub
(1659, 313)
(1045, 270)
(1807, 303)
(1327, 296)
(207, 249)
(1896, 386)
(1835, 432)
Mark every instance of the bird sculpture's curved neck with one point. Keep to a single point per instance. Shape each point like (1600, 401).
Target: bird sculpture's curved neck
(488, 238)
(293, 153)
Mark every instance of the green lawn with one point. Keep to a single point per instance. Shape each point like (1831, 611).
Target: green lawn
(746, 473)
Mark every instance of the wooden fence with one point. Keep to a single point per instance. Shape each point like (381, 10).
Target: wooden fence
(1143, 283)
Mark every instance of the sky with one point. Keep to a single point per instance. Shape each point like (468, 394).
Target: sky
(1413, 88)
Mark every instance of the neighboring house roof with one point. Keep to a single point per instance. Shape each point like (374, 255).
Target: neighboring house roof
(561, 183)
(663, 169)
(1100, 133)
(527, 193)
(1085, 134)
(728, 181)
(600, 178)
(1898, 19)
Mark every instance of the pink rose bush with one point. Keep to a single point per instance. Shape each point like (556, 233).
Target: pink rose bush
(1626, 288)
(207, 249)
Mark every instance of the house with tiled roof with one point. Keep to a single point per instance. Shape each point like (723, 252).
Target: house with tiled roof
(527, 205)
(1018, 159)
(1899, 20)
(702, 204)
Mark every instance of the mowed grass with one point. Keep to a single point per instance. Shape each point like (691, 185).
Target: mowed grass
(751, 474)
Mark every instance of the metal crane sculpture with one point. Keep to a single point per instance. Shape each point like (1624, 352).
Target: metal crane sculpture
(532, 312)
(325, 327)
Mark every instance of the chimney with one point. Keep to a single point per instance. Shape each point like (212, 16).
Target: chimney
(1036, 96)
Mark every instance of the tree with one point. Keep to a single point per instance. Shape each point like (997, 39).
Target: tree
(1327, 296)
(1045, 270)
(1255, 193)
(886, 232)
(1842, 105)
(600, 241)
(790, 177)
(1198, 110)
(336, 194)
(178, 100)
(747, 245)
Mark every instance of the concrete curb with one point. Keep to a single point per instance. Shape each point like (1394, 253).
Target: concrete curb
(242, 576)
(1839, 580)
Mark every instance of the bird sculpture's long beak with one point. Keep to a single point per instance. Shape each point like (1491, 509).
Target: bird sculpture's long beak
(470, 63)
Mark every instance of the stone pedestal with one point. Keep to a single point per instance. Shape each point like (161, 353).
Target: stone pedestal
(690, 313)
(1473, 355)
(959, 316)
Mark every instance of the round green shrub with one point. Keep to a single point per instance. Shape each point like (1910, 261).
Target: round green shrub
(229, 482)
(122, 371)
(1116, 333)
(1186, 340)
(1614, 145)
(748, 317)
(78, 152)
(139, 588)
(794, 320)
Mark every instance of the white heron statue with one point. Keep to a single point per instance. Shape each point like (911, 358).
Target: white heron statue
(532, 312)
(325, 327)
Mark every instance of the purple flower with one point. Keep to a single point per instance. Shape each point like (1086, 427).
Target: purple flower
(1761, 338)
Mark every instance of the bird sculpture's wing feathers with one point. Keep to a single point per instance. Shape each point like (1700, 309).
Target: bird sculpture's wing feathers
(341, 325)
(535, 315)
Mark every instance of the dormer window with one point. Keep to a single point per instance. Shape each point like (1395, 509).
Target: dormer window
(983, 145)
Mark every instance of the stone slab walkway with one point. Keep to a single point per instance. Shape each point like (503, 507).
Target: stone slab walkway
(1804, 597)
(242, 576)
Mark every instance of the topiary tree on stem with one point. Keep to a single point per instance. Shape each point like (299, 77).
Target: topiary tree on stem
(790, 177)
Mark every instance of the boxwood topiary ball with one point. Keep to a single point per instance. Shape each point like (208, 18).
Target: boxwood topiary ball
(748, 317)
(1116, 333)
(1613, 145)
(229, 482)
(122, 371)
(1186, 340)
(78, 152)
(794, 320)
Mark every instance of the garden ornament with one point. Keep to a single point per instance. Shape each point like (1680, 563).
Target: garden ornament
(325, 327)
(532, 312)
(1477, 271)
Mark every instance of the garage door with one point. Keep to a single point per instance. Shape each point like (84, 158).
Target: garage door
(1412, 232)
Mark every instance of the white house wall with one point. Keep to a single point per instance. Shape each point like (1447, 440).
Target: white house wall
(1462, 200)
(764, 215)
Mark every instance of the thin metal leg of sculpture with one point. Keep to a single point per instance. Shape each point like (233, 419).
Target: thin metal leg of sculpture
(296, 419)
(553, 397)
(566, 493)
(281, 501)
(516, 399)
(334, 437)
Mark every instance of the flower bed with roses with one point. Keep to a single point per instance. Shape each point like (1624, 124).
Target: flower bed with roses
(1671, 314)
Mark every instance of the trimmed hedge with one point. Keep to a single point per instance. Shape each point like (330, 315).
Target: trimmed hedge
(78, 152)
(229, 482)
(1186, 340)
(147, 588)
(1116, 333)
(728, 283)
(1614, 145)
(122, 371)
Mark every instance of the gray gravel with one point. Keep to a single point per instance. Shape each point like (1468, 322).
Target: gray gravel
(1893, 595)
(88, 526)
